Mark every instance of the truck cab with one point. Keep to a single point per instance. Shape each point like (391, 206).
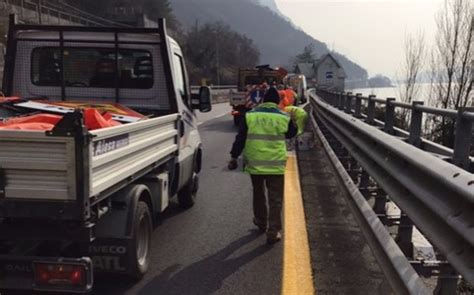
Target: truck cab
(249, 78)
(75, 201)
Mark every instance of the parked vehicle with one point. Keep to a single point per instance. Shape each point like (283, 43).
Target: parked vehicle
(74, 201)
(248, 78)
(299, 85)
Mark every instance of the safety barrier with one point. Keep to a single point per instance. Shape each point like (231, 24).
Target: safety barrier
(431, 184)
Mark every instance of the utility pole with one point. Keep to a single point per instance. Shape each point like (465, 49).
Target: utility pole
(217, 59)
(40, 20)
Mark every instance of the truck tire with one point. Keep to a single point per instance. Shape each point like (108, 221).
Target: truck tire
(140, 244)
(187, 195)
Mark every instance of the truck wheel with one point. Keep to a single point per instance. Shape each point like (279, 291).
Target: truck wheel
(187, 195)
(140, 244)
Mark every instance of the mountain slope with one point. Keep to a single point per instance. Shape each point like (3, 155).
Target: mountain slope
(277, 39)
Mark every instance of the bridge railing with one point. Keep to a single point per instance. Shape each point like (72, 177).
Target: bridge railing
(60, 10)
(434, 193)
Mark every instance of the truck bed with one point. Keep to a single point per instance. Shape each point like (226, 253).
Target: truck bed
(69, 172)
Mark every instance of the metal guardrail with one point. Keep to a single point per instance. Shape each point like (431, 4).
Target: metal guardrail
(60, 10)
(435, 195)
(464, 118)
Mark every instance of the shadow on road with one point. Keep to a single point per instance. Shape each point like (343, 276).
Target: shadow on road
(223, 126)
(173, 210)
(205, 276)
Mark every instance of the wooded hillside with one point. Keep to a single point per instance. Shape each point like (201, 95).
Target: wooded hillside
(278, 40)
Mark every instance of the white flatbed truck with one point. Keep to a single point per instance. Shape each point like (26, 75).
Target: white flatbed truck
(74, 202)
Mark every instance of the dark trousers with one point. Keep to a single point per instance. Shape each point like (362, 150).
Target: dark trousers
(274, 185)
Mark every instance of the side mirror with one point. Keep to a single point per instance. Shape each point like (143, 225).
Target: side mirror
(202, 101)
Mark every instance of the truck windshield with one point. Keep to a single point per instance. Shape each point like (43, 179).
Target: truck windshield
(92, 67)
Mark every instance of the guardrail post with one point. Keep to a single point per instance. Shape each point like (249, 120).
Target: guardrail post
(448, 277)
(342, 101)
(364, 183)
(22, 9)
(337, 103)
(40, 19)
(404, 235)
(333, 99)
(462, 140)
(348, 106)
(371, 110)
(389, 116)
(415, 124)
(358, 105)
(380, 205)
(405, 229)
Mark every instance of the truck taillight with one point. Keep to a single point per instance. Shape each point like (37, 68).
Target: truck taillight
(59, 274)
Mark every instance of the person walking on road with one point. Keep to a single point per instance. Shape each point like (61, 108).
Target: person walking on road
(261, 137)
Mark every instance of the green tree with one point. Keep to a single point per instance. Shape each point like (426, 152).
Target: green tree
(215, 52)
(307, 56)
(154, 9)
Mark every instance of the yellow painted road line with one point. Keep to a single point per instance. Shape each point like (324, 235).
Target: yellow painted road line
(297, 274)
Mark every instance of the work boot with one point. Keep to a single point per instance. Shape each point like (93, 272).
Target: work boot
(261, 227)
(273, 238)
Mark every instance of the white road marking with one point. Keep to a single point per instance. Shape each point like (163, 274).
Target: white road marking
(221, 115)
(216, 117)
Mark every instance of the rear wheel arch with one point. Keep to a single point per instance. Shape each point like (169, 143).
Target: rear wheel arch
(198, 160)
(137, 193)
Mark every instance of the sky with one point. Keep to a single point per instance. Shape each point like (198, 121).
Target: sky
(369, 32)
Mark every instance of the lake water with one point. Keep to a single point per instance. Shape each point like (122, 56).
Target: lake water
(384, 92)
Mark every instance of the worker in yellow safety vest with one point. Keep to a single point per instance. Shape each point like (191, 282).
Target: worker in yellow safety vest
(300, 116)
(262, 137)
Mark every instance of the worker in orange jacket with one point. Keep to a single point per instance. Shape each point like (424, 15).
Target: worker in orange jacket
(284, 102)
(291, 95)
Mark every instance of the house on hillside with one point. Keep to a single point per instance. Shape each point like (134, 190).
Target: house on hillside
(325, 73)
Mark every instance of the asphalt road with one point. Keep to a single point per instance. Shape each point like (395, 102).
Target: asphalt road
(212, 248)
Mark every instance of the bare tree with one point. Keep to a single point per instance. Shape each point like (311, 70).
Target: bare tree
(411, 68)
(454, 53)
(452, 64)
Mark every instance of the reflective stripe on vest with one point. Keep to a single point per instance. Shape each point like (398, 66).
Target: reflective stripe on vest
(265, 147)
(265, 163)
(267, 137)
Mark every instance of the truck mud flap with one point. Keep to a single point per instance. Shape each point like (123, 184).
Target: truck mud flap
(16, 273)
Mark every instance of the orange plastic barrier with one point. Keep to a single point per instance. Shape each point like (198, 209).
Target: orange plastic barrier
(39, 118)
(7, 99)
(92, 119)
(29, 126)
